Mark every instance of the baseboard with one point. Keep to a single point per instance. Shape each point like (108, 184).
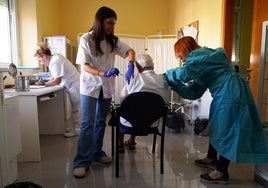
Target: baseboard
(260, 180)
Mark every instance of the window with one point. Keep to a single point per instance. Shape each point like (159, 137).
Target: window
(8, 32)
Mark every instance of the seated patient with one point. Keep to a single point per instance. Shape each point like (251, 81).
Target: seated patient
(145, 80)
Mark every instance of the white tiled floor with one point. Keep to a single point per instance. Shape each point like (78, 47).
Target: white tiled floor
(137, 168)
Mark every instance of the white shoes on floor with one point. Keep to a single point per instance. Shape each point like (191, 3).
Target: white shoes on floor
(71, 132)
(80, 172)
(105, 160)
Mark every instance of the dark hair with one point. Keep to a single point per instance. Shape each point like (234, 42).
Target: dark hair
(98, 34)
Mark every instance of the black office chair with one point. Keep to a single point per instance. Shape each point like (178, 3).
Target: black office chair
(142, 109)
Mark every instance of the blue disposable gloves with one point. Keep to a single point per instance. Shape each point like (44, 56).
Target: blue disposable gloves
(130, 72)
(111, 72)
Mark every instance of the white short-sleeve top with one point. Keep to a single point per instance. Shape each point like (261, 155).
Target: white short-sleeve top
(90, 84)
(60, 66)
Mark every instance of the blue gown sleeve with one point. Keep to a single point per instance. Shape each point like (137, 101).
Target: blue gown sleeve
(177, 78)
(193, 91)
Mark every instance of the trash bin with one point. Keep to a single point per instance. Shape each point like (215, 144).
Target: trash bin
(175, 121)
(23, 185)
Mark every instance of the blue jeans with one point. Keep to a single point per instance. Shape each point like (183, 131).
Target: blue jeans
(93, 124)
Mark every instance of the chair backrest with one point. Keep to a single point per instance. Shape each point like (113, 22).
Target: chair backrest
(141, 109)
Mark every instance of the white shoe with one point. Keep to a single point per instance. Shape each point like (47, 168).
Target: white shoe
(70, 134)
(80, 172)
(68, 130)
(105, 160)
(77, 130)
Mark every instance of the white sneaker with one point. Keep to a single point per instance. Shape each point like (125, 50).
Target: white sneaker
(77, 130)
(105, 160)
(68, 130)
(70, 134)
(80, 172)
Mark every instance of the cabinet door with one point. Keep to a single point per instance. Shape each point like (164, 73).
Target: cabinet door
(51, 113)
(12, 127)
(56, 44)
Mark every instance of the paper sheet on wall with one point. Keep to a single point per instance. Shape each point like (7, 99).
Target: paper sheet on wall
(190, 31)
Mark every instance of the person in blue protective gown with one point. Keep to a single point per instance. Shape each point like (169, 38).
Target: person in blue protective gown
(235, 130)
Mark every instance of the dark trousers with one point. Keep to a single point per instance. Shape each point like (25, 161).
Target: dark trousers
(222, 164)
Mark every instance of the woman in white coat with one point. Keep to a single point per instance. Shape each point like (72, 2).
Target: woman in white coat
(63, 73)
(96, 54)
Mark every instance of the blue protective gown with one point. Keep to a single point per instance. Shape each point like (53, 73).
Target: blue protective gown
(235, 129)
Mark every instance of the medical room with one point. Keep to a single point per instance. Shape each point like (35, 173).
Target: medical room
(40, 145)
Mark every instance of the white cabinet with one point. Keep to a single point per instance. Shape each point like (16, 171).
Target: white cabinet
(41, 112)
(12, 135)
(62, 45)
(51, 113)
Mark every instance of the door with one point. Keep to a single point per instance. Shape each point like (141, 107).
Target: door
(263, 81)
(261, 170)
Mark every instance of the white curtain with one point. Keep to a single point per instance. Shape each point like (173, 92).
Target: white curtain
(159, 47)
(138, 44)
(162, 52)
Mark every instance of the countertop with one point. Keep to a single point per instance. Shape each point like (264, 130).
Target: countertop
(34, 91)
(9, 95)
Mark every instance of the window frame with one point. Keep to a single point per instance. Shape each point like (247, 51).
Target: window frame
(13, 39)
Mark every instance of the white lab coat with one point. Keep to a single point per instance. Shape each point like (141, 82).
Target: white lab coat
(90, 84)
(60, 66)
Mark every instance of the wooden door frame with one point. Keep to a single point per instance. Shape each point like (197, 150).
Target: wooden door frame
(228, 26)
